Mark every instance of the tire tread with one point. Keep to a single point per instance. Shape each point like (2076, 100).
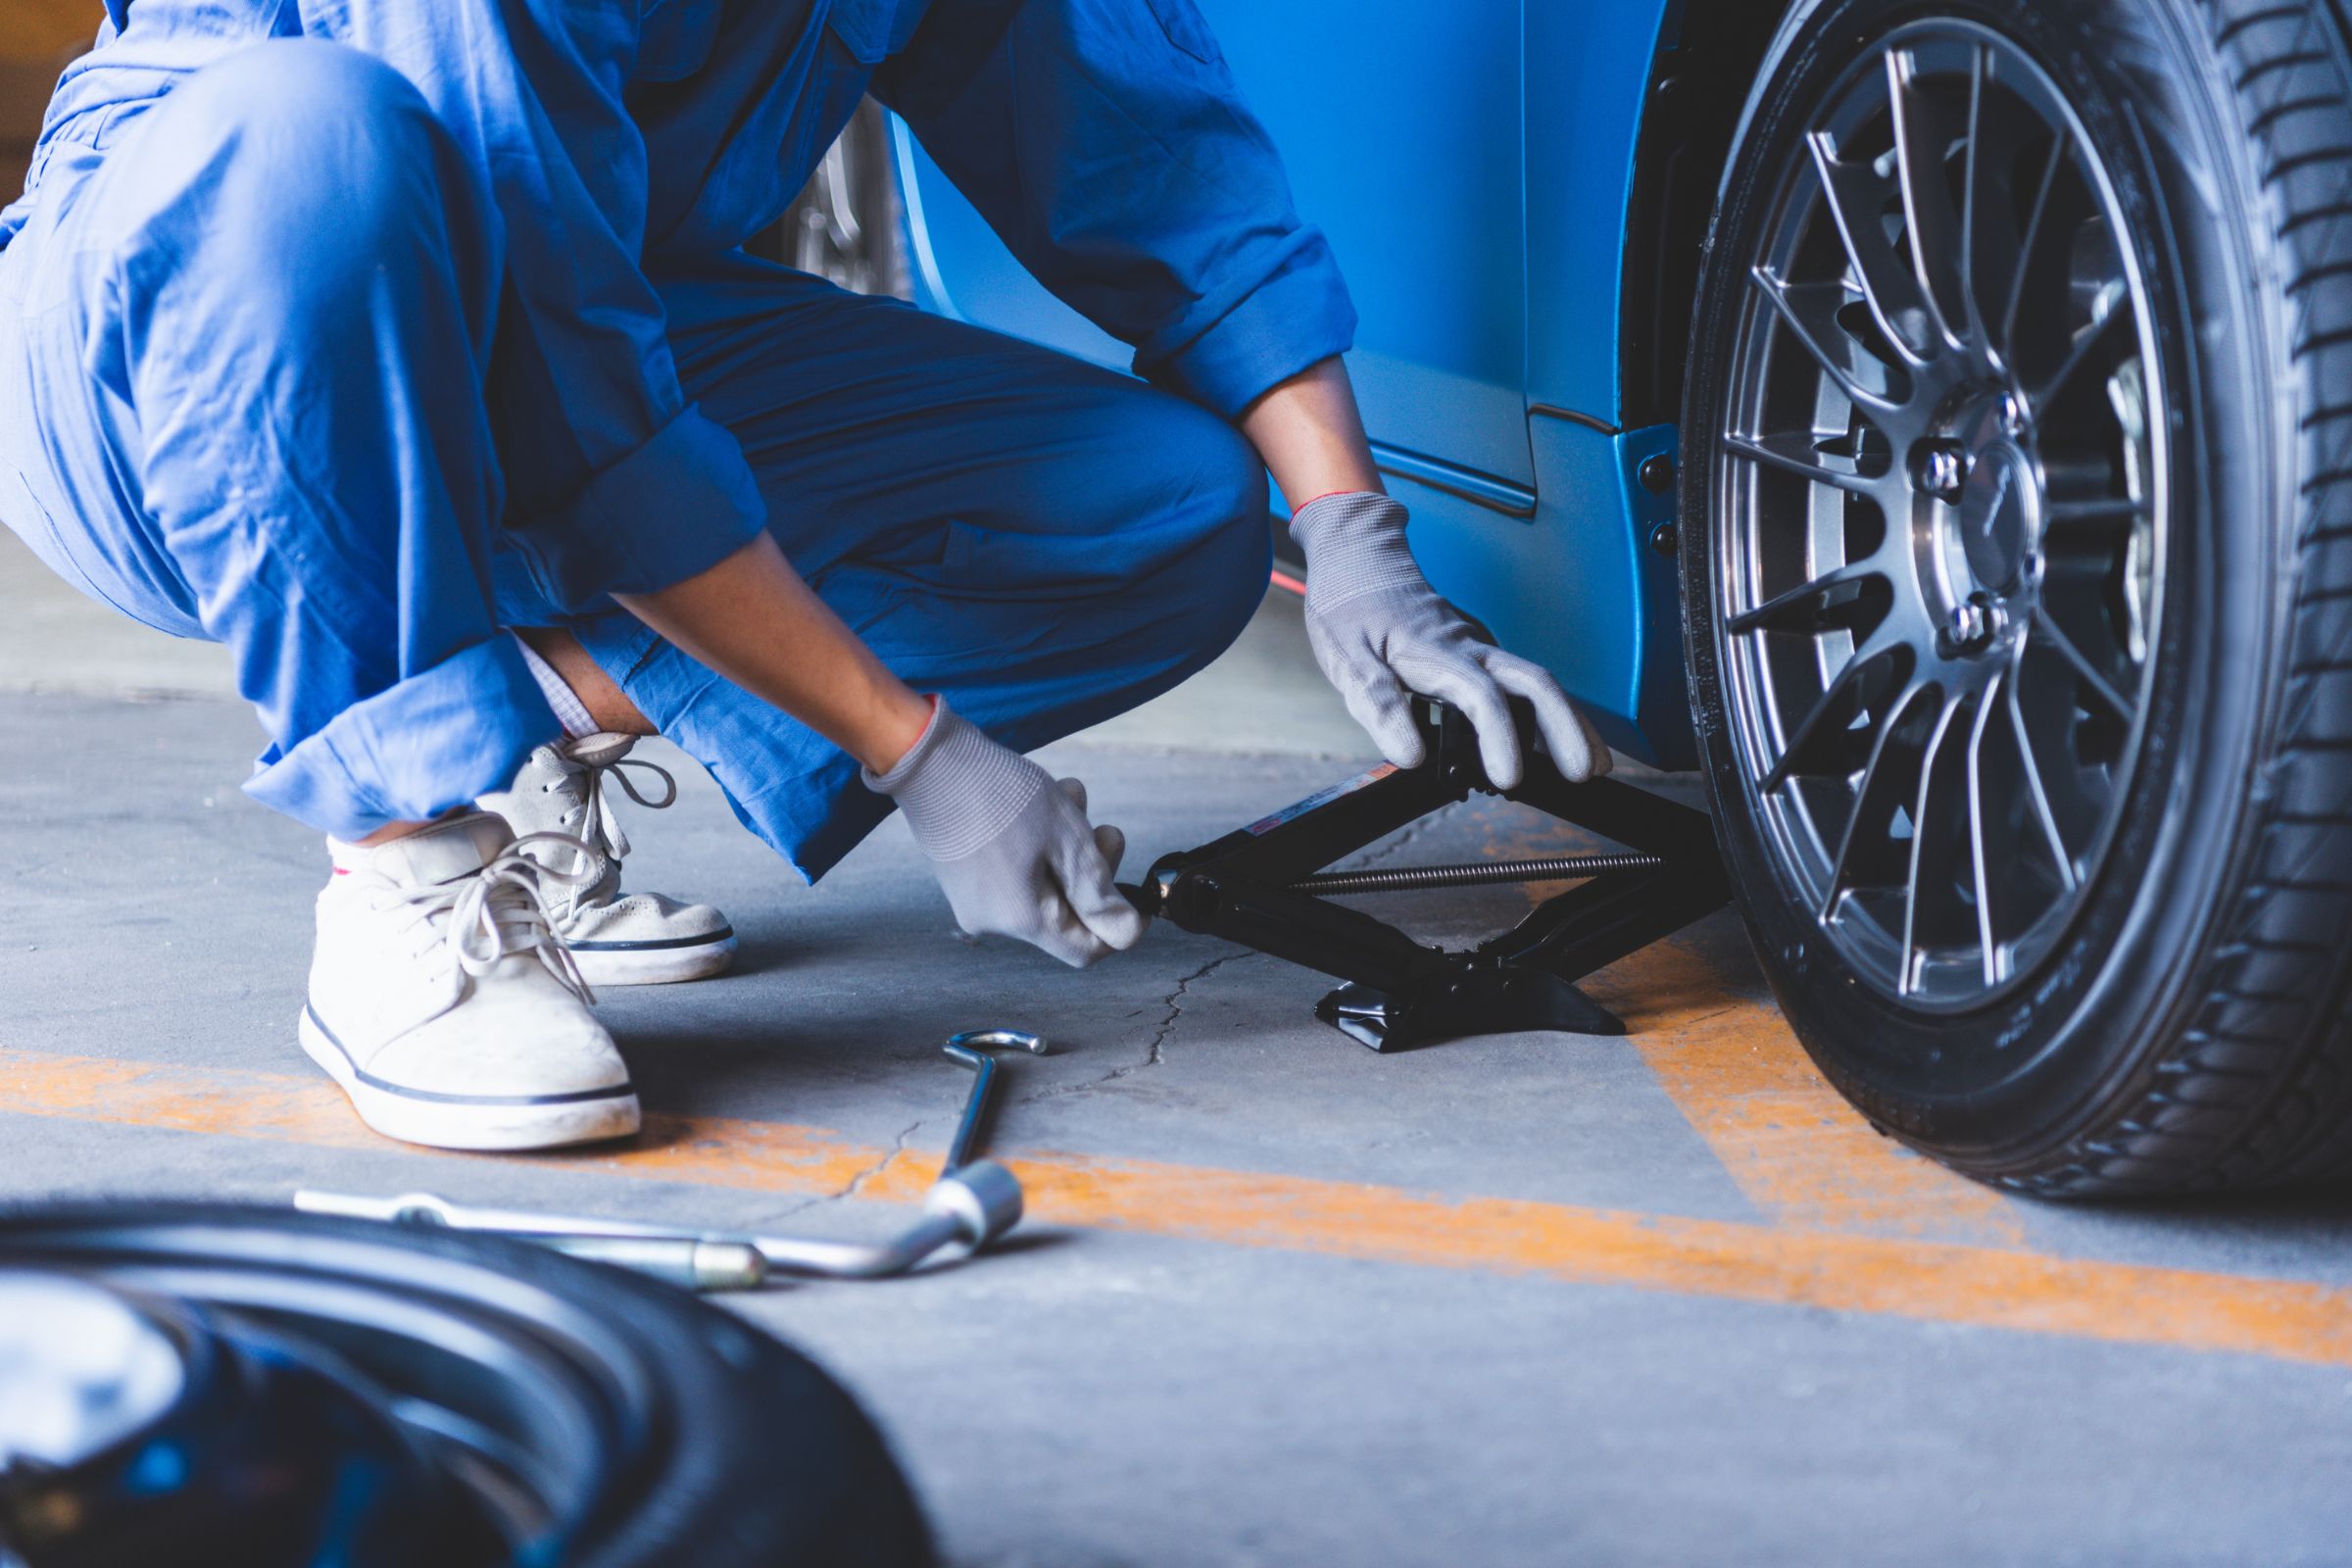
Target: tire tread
(2257, 1089)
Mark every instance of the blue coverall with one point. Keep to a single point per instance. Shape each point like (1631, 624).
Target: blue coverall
(348, 333)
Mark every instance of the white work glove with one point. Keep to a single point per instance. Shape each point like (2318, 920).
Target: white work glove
(1381, 633)
(1010, 847)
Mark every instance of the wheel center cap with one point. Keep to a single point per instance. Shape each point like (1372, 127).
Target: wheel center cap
(1999, 514)
(1988, 491)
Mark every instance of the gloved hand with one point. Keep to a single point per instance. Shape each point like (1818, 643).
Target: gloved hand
(1010, 847)
(1380, 632)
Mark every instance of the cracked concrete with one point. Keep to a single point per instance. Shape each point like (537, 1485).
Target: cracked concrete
(898, 1147)
(1174, 1002)
(852, 1189)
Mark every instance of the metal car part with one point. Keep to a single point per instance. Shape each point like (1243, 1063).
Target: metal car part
(199, 1424)
(970, 1049)
(1941, 516)
(383, 1396)
(972, 1207)
(1488, 873)
(844, 226)
(71, 1397)
(1255, 887)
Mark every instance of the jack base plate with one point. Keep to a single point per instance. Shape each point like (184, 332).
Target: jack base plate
(1479, 1001)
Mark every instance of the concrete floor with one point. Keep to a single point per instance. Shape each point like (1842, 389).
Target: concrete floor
(1530, 1299)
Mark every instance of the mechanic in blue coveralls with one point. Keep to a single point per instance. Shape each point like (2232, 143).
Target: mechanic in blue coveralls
(408, 347)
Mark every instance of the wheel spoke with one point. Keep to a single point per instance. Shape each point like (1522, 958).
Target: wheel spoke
(2055, 637)
(1866, 796)
(1980, 866)
(1982, 230)
(2102, 509)
(2086, 343)
(1923, 140)
(1800, 304)
(2091, 526)
(1926, 840)
(1993, 250)
(2037, 794)
(1856, 195)
(2026, 243)
(1800, 608)
(1796, 455)
(1812, 727)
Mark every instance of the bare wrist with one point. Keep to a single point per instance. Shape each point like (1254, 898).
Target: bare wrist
(1310, 435)
(899, 720)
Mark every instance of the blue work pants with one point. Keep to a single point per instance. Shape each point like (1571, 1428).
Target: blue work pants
(248, 368)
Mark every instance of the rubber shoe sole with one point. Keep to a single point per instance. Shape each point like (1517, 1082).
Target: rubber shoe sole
(489, 1124)
(652, 965)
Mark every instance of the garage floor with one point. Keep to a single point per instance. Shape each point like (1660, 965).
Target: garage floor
(1534, 1299)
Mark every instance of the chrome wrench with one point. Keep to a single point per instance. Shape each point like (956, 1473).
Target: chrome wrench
(970, 1049)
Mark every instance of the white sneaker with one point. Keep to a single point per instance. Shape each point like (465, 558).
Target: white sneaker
(637, 940)
(442, 1003)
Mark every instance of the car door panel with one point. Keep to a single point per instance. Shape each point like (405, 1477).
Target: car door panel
(1598, 605)
(1401, 138)
(1587, 67)
(1579, 585)
(1580, 589)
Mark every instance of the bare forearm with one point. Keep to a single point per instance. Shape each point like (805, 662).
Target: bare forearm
(754, 621)
(1310, 435)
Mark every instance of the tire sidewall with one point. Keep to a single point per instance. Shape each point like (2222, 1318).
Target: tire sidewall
(715, 1445)
(2001, 1088)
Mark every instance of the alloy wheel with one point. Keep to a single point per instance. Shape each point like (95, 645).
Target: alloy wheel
(1942, 494)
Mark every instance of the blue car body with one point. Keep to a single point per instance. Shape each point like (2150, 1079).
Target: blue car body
(1474, 166)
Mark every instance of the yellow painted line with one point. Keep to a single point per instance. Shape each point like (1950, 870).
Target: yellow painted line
(1791, 1141)
(1906, 1278)
(1792, 1144)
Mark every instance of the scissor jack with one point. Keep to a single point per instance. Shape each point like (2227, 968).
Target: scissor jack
(1265, 887)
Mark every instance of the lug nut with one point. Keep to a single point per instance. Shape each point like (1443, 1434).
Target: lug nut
(1972, 625)
(1942, 470)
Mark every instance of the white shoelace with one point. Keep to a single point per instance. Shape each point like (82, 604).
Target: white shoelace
(500, 910)
(601, 830)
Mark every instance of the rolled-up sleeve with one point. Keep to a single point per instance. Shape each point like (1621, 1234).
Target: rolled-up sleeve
(614, 483)
(1108, 145)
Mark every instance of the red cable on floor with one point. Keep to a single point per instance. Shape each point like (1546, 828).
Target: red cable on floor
(1288, 583)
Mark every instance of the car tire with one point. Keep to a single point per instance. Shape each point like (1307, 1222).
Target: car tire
(576, 1413)
(2165, 1007)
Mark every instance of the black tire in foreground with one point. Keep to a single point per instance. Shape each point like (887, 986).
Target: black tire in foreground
(2019, 621)
(352, 1392)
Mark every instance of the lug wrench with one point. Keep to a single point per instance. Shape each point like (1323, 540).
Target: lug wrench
(969, 1050)
(973, 1203)
(974, 1206)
